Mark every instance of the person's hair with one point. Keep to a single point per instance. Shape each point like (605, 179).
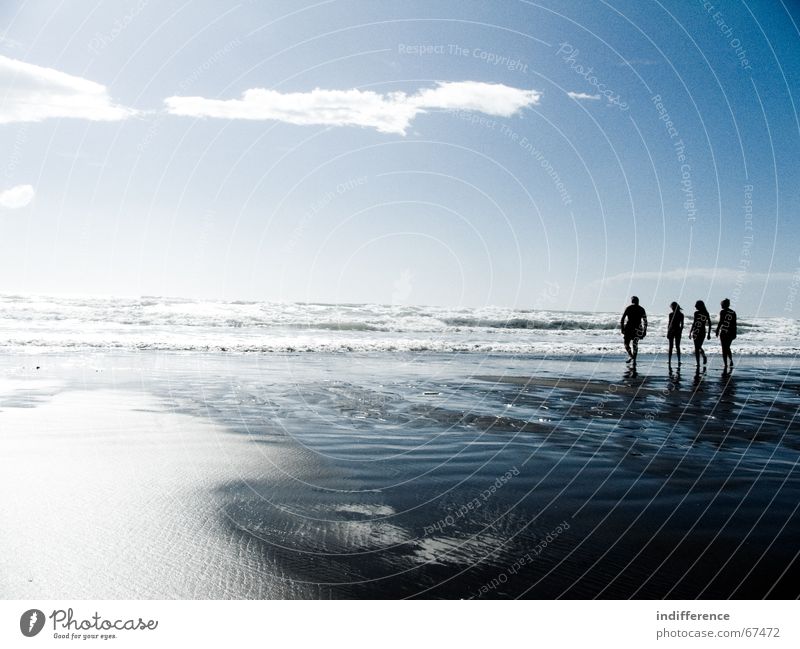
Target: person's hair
(701, 307)
(675, 306)
(635, 300)
(725, 303)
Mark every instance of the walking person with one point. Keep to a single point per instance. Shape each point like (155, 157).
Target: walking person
(701, 330)
(634, 327)
(675, 331)
(726, 330)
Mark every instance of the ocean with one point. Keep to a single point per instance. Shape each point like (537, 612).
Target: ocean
(40, 323)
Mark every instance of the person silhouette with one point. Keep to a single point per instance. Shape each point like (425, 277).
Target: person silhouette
(701, 328)
(726, 331)
(675, 330)
(634, 327)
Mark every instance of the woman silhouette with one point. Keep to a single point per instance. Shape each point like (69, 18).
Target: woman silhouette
(674, 330)
(726, 330)
(701, 329)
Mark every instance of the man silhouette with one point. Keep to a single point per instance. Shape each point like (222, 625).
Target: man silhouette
(634, 326)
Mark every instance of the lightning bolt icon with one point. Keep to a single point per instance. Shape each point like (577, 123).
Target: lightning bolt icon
(32, 621)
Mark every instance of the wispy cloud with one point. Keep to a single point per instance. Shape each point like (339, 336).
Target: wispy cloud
(16, 197)
(9, 43)
(582, 95)
(680, 274)
(388, 113)
(31, 93)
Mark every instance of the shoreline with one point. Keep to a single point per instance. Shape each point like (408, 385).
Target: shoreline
(164, 475)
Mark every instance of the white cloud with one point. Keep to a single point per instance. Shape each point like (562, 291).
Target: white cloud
(31, 93)
(16, 197)
(388, 113)
(680, 274)
(582, 95)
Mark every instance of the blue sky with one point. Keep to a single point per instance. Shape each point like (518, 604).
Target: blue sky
(549, 155)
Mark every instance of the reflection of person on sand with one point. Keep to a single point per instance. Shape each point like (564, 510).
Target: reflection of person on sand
(675, 377)
(698, 376)
(727, 394)
(701, 328)
(726, 330)
(634, 327)
(675, 330)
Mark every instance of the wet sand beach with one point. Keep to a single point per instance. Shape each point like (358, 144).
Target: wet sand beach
(188, 475)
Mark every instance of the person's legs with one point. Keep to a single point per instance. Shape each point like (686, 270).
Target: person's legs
(670, 350)
(678, 348)
(726, 351)
(635, 347)
(627, 339)
(698, 343)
